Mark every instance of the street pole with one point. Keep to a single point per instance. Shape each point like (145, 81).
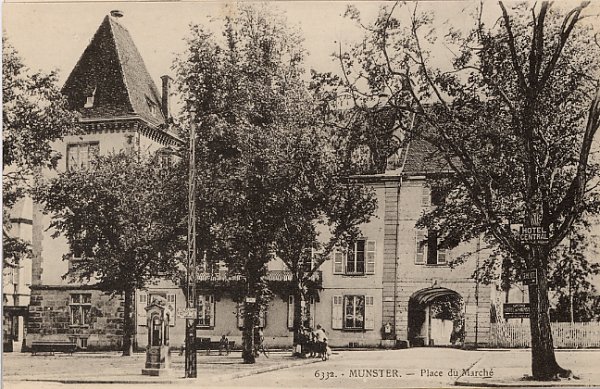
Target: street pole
(190, 324)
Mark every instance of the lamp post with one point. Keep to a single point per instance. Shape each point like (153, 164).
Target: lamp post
(190, 323)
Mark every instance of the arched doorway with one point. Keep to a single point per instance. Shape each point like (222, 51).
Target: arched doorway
(436, 318)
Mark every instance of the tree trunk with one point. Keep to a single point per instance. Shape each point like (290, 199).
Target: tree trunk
(298, 316)
(248, 333)
(128, 322)
(543, 361)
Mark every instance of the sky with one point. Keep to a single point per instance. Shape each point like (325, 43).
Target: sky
(52, 36)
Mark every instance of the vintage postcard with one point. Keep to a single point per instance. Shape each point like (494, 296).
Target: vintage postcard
(302, 194)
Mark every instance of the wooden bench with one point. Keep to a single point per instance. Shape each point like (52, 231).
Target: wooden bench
(206, 344)
(52, 346)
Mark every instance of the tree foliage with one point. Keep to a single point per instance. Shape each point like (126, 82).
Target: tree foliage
(513, 117)
(34, 114)
(268, 173)
(123, 223)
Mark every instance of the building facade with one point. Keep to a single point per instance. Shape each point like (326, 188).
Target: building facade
(120, 108)
(391, 287)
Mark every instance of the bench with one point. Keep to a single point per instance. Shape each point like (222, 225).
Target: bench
(208, 345)
(52, 346)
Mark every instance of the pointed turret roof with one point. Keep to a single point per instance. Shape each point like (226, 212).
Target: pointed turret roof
(112, 71)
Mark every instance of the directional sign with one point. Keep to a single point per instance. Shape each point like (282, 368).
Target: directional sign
(533, 234)
(516, 310)
(529, 277)
(186, 313)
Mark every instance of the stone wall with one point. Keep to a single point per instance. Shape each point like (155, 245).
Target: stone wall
(50, 318)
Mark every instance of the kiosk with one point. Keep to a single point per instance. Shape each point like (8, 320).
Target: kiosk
(158, 356)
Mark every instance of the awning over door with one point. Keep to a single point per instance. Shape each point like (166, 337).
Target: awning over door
(427, 295)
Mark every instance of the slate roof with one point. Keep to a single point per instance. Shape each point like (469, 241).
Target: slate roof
(423, 159)
(112, 69)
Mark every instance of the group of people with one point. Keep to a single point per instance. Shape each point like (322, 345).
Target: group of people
(313, 343)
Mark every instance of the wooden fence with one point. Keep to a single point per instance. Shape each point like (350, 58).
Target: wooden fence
(565, 335)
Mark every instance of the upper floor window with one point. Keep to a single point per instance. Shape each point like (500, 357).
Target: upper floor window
(89, 99)
(427, 250)
(82, 155)
(152, 106)
(358, 259)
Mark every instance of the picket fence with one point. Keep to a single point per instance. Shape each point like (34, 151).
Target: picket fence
(565, 335)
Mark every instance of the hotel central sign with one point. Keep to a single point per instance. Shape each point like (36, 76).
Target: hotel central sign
(535, 233)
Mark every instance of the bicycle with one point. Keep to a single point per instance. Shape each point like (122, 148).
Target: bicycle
(261, 347)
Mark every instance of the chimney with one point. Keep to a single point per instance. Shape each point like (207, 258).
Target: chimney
(166, 93)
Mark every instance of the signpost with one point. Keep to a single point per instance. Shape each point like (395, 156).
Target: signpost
(190, 322)
(187, 313)
(516, 310)
(529, 277)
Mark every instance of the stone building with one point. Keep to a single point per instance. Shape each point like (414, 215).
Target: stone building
(390, 286)
(120, 108)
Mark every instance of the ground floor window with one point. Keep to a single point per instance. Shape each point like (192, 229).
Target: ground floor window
(206, 311)
(262, 316)
(145, 298)
(80, 306)
(353, 312)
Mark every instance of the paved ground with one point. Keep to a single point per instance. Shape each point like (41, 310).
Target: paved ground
(414, 368)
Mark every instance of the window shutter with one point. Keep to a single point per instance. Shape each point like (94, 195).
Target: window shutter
(290, 318)
(337, 313)
(312, 312)
(142, 302)
(240, 315)
(425, 197)
(420, 247)
(262, 318)
(370, 257)
(338, 262)
(212, 305)
(369, 313)
(442, 257)
(171, 306)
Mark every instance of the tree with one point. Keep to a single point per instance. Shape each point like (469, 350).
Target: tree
(262, 154)
(243, 92)
(570, 278)
(316, 194)
(34, 114)
(123, 220)
(513, 118)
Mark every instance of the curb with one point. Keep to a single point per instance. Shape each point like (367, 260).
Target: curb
(174, 378)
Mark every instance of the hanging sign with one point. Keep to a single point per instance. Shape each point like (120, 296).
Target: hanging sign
(516, 310)
(535, 233)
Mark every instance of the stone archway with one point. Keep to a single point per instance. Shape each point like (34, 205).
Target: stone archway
(436, 317)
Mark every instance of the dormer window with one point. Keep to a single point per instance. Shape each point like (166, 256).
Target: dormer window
(152, 106)
(89, 102)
